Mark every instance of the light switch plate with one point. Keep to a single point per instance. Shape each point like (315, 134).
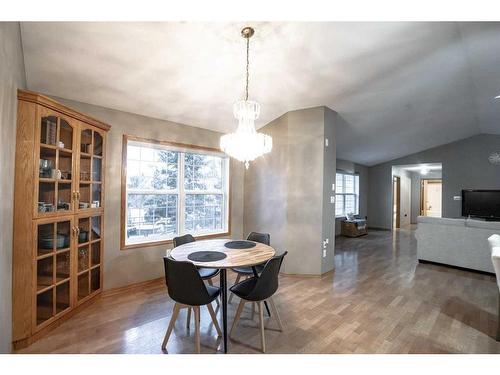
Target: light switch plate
(333, 187)
(324, 253)
(326, 142)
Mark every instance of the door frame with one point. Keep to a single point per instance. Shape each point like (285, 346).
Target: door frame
(396, 198)
(423, 183)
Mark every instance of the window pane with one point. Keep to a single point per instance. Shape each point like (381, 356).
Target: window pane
(339, 188)
(151, 169)
(202, 172)
(204, 212)
(151, 217)
(356, 185)
(349, 183)
(339, 205)
(350, 205)
(133, 153)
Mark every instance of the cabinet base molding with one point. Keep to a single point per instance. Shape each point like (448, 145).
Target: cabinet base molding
(126, 288)
(23, 343)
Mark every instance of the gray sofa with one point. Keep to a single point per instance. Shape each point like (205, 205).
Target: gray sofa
(456, 242)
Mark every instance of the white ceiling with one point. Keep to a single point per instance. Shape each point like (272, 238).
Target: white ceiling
(400, 87)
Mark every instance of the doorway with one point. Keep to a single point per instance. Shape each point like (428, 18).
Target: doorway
(396, 202)
(431, 197)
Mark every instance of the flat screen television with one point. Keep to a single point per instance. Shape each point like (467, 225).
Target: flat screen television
(483, 204)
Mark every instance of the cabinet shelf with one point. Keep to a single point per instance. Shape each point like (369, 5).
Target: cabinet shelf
(49, 254)
(53, 180)
(62, 280)
(44, 283)
(65, 151)
(48, 147)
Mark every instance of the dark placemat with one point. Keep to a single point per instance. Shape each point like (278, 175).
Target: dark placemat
(240, 244)
(206, 256)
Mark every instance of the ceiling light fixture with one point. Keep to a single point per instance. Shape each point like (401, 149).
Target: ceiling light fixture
(494, 158)
(424, 171)
(246, 144)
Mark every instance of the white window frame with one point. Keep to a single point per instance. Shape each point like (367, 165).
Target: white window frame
(342, 195)
(180, 190)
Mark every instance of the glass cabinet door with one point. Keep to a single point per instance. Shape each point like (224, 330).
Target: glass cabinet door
(53, 268)
(90, 166)
(89, 231)
(55, 164)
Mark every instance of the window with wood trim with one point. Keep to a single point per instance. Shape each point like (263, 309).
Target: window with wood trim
(346, 194)
(172, 189)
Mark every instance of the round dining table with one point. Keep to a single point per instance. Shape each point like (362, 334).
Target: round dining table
(232, 258)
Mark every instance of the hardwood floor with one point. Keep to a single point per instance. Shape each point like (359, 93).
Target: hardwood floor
(378, 300)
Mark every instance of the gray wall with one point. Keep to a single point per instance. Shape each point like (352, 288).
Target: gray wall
(416, 177)
(329, 170)
(405, 195)
(12, 77)
(122, 267)
(284, 191)
(362, 171)
(265, 202)
(465, 166)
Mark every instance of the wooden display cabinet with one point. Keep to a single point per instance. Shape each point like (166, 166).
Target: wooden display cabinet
(58, 214)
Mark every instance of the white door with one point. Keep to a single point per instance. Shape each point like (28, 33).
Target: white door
(433, 198)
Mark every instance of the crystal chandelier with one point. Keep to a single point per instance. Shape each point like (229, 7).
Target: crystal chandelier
(246, 144)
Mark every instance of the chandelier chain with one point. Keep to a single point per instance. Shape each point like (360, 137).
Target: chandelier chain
(248, 64)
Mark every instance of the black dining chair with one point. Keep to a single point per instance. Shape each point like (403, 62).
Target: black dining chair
(205, 273)
(257, 290)
(246, 272)
(187, 289)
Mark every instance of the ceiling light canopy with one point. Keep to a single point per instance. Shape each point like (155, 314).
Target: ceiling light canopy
(246, 144)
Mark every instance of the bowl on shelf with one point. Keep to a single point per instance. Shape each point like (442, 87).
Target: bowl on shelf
(47, 242)
(45, 207)
(83, 236)
(63, 206)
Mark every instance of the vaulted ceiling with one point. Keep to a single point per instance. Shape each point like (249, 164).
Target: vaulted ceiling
(400, 87)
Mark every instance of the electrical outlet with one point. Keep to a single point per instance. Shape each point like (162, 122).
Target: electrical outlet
(324, 253)
(332, 199)
(457, 198)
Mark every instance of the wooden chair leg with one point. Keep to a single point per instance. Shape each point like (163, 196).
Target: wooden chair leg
(275, 313)
(236, 282)
(175, 313)
(188, 318)
(197, 328)
(237, 316)
(214, 319)
(261, 318)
